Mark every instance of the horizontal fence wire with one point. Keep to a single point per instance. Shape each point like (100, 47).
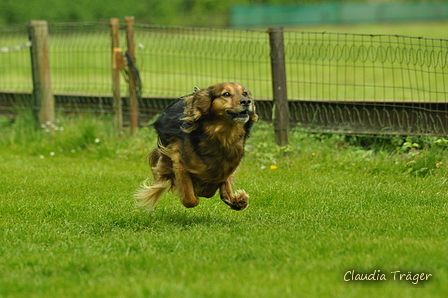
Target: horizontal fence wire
(350, 83)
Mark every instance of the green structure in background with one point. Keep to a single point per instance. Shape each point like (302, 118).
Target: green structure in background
(274, 15)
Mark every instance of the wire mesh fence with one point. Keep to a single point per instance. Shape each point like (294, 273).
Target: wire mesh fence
(366, 67)
(350, 83)
(174, 60)
(15, 63)
(368, 83)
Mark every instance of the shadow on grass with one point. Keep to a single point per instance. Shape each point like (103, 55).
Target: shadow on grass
(184, 218)
(175, 218)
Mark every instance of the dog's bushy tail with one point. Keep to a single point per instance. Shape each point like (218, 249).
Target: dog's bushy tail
(150, 195)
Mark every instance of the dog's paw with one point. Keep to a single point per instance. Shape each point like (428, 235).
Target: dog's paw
(240, 200)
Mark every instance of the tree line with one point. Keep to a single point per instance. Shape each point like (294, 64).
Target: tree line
(160, 12)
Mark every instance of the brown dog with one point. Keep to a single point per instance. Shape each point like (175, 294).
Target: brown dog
(201, 143)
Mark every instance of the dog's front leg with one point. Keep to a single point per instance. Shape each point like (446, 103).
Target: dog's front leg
(237, 201)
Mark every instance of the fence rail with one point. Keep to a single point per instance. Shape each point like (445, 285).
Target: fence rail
(346, 83)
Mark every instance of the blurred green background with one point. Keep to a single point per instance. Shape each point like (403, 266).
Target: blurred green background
(212, 13)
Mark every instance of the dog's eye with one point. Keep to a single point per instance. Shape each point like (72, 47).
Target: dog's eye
(244, 93)
(227, 94)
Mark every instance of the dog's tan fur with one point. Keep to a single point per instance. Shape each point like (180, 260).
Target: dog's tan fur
(204, 154)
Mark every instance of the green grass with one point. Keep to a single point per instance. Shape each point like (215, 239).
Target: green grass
(69, 226)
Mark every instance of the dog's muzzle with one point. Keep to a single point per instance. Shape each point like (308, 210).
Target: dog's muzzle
(241, 115)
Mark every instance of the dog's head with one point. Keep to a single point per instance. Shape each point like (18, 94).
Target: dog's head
(230, 101)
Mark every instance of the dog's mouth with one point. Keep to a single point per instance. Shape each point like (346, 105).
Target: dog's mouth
(241, 117)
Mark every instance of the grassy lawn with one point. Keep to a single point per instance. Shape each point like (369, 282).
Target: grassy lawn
(69, 226)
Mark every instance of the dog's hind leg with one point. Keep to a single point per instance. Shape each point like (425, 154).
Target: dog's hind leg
(170, 166)
(237, 201)
(184, 185)
(180, 177)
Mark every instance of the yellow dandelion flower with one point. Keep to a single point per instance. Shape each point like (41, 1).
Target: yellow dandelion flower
(273, 167)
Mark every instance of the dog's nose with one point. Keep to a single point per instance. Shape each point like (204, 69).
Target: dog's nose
(245, 102)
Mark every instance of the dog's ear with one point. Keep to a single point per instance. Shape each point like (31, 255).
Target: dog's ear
(198, 104)
(202, 100)
(254, 117)
(248, 126)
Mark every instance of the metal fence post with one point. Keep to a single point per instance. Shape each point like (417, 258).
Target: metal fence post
(40, 61)
(278, 68)
(117, 65)
(133, 99)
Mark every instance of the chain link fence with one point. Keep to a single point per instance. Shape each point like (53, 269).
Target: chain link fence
(347, 83)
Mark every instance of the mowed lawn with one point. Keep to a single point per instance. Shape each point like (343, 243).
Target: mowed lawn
(69, 225)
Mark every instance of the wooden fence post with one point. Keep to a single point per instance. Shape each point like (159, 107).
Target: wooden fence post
(278, 68)
(133, 99)
(117, 65)
(40, 61)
